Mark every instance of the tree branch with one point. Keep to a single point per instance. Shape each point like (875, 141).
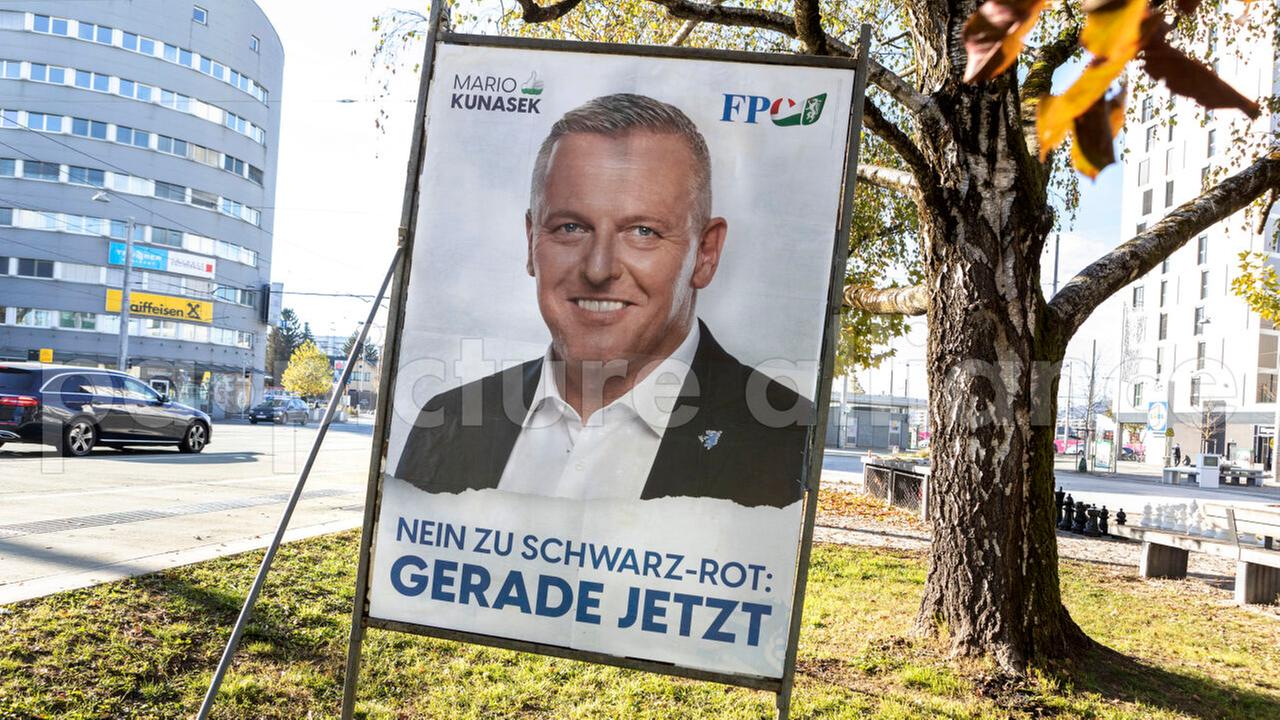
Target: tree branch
(901, 143)
(1107, 275)
(913, 300)
(535, 13)
(1039, 81)
(888, 178)
(922, 106)
(809, 27)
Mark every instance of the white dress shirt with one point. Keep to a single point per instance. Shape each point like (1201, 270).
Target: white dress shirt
(608, 456)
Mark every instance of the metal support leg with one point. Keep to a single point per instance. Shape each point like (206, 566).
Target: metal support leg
(265, 567)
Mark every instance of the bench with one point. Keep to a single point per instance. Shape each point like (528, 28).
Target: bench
(1240, 476)
(1165, 552)
(1173, 474)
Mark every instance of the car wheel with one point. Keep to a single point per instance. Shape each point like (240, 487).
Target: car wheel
(253, 421)
(194, 440)
(79, 438)
(281, 419)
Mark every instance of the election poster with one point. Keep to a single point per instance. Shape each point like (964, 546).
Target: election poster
(609, 356)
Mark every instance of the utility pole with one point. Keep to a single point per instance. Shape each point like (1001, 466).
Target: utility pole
(122, 362)
(122, 358)
(1088, 415)
(1057, 238)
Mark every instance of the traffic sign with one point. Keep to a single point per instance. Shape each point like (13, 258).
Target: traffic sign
(1158, 416)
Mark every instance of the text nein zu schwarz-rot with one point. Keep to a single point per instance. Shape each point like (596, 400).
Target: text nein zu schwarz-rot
(703, 616)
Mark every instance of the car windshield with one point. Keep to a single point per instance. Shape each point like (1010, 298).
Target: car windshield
(13, 380)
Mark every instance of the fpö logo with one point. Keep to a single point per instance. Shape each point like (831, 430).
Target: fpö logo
(784, 112)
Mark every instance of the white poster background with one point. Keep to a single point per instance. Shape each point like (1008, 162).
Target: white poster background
(471, 311)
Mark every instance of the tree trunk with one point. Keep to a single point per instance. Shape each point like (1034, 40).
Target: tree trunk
(993, 582)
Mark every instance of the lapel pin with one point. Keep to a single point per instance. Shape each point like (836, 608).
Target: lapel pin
(710, 438)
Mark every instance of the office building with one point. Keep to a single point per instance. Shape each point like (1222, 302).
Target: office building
(1192, 346)
(155, 119)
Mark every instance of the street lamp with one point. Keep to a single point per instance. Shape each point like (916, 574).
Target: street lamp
(122, 359)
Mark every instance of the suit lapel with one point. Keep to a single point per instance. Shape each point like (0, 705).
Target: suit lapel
(502, 428)
(682, 461)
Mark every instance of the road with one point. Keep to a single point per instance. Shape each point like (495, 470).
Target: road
(74, 522)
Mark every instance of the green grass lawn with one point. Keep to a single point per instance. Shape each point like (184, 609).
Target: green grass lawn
(145, 648)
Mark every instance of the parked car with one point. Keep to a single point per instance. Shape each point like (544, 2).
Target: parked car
(1133, 453)
(280, 411)
(76, 409)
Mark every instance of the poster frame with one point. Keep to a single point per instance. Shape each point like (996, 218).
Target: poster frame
(438, 34)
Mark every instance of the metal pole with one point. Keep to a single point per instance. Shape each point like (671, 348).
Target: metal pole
(1057, 239)
(390, 360)
(122, 359)
(267, 559)
(817, 442)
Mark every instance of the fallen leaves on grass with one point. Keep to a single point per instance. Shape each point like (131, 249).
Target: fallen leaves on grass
(843, 504)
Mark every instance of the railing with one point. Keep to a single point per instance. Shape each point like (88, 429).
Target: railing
(902, 485)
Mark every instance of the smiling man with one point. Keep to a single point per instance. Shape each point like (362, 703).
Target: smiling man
(634, 398)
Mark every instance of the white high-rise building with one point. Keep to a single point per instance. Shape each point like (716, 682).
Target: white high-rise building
(1190, 342)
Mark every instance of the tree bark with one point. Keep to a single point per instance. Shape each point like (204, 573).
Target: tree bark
(992, 585)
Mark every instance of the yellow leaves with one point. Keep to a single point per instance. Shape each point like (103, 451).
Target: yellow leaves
(993, 36)
(1095, 130)
(1113, 32)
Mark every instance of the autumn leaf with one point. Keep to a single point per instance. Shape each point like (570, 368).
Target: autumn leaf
(1113, 32)
(1095, 132)
(993, 36)
(1189, 77)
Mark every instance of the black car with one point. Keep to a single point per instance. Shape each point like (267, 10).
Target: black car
(75, 409)
(279, 410)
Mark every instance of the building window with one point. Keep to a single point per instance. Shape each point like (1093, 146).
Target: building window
(1159, 360)
(89, 128)
(1164, 291)
(28, 267)
(254, 43)
(169, 191)
(1164, 265)
(45, 122)
(8, 167)
(1195, 391)
(31, 317)
(33, 170)
(1137, 395)
(1164, 326)
(199, 14)
(1144, 172)
(1168, 193)
(1169, 161)
(1138, 292)
(1142, 227)
(77, 320)
(1200, 355)
(6, 216)
(1211, 145)
(1198, 322)
(1202, 250)
(86, 176)
(1147, 108)
(1204, 179)
(1151, 138)
(1204, 284)
(1146, 202)
(1266, 387)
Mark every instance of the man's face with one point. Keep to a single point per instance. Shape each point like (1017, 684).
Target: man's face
(615, 249)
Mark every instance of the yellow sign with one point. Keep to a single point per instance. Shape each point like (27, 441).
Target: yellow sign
(163, 306)
(46, 355)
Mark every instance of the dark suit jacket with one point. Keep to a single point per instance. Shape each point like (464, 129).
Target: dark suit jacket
(463, 437)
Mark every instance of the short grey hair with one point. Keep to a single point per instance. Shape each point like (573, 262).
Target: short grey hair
(619, 114)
